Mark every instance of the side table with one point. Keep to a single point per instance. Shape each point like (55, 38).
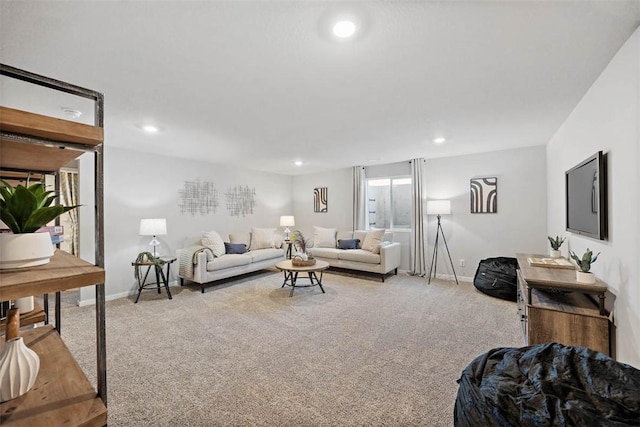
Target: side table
(160, 274)
(289, 244)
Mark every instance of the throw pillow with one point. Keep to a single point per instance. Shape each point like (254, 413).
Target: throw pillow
(348, 243)
(373, 240)
(240, 238)
(235, 248)
(213, 241)
(262, 238)
(324, 237)
(360, 234)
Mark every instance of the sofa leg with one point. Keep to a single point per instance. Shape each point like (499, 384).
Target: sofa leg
(202, 288)
(182, 281)
(396, 271)
(382, 276)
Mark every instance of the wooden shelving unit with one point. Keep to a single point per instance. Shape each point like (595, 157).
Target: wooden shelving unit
(32, 143)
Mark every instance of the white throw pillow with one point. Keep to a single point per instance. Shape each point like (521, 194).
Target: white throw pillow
(360, 235)
(373, 240)
(262, 238)
(244, 238)
(213, 241)
(324, 237)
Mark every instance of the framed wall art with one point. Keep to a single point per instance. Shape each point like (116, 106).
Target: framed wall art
(320, 199)
(484, 195)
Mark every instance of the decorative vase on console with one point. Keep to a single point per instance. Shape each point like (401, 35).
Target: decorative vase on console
(555, 246)
(584, 275)
(19, 365)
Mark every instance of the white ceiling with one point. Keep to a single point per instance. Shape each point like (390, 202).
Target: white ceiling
(260, 84)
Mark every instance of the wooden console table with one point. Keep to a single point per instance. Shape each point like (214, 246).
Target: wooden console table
(554, 307)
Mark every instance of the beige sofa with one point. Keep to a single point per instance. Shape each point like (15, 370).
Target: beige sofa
(379, 256)
(204, 261)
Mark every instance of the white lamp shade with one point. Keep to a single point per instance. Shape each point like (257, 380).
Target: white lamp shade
(287, 221)
(438, 207)
(153, 227)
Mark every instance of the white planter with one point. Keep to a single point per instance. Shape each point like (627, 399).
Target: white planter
(24, 250)
(19, 366)
(583, 277)
(25, 305)
(555, 254)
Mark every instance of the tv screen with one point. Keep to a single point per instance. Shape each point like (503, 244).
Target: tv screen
(586, 199)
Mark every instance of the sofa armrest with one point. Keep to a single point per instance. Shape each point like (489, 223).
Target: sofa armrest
(390, 256)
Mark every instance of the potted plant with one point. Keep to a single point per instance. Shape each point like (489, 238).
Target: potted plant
(555, 246)
(26, 209)
(584, 275)
(300, 243)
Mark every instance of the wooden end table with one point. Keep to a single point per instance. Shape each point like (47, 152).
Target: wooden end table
(291, 274)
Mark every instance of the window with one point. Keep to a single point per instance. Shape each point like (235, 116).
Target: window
(389, 202)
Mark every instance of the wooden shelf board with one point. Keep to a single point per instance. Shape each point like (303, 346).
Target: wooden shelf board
(556, 278)
(33, 317)
(32, 157)
(65, 271)
(62, 395)
(572, 302)
(37, 125)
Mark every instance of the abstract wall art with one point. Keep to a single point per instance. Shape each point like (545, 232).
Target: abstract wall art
(240, 200)
(198, 197)
(484, 195)
(320, 199)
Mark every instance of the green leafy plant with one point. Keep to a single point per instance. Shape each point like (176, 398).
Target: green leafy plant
(556, 243)
(585, 262)
(299, 241)
(25, 209)
(145, 258)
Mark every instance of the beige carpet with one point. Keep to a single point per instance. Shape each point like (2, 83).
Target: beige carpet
(365, 353)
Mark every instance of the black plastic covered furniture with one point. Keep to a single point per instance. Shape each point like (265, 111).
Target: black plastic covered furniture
(547, 385)
(497, 277)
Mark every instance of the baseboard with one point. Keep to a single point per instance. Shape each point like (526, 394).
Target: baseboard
(452, 278)
(111, 297)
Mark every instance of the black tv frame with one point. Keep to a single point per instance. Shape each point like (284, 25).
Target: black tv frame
(601, 164)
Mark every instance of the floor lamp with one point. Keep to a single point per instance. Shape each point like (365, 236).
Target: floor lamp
(439, 208)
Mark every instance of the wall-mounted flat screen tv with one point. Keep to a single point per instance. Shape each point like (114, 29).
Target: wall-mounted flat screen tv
(586, 197)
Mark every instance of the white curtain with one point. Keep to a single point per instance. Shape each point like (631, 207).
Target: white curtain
(359, 198)
(69, 197)
(418, 256)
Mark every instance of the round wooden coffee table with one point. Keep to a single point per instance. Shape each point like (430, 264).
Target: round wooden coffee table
(291, 274)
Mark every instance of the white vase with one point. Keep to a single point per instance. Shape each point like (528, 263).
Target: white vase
(19, 366)
(25, 305)
(583, 277)
(24, 250)
(555, 254)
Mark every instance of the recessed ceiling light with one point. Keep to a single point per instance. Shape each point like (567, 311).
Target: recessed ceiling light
(150, 128)
(298, 163)
(344, 29)
(74, 114)
(439, 140)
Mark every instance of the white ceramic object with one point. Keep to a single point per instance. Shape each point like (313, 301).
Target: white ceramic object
(25, 305)
(19, 366)
(583, 277)
(24, 250)
(555, 254)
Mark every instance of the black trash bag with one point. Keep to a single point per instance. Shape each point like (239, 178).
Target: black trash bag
(497, 277)
(547, 385)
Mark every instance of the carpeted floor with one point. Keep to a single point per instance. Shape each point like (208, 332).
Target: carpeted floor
(365, 353)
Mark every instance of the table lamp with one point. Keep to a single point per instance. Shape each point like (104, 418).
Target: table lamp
(287, 221)
(153, 227)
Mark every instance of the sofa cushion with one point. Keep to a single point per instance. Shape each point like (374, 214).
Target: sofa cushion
(324, 237)
(373, 240)
(228, 261)
(213, 241)
(263, 254)
(359, 255)
(360, 235)
(344, 235)
(234, 248)
(324, 252)
(240, 238)
(348, 243)
(262, 238)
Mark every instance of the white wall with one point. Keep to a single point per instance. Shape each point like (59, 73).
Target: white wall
(141, 185)
(520, 225)
(607, 119)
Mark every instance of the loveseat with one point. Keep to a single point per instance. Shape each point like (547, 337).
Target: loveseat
(371, 250)
(212, 256)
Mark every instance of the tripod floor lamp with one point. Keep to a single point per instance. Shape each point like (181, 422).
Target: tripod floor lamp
(439, 208)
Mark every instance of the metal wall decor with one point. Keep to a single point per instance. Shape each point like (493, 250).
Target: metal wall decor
(320, 199)
(484, 195)
(241, 200)
(198, 197)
